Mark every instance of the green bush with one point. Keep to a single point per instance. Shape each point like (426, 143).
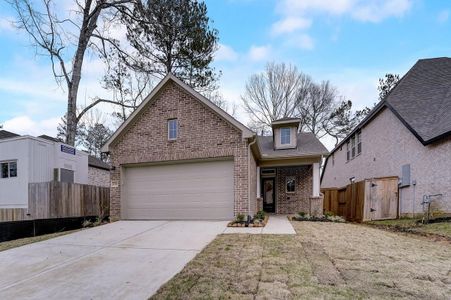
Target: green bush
(260, 215)
(336, 219)
(240, 218)
(328, 214)
(301, 214)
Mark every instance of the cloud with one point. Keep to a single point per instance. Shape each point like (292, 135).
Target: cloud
(361, 10)
(302, 41)
(290, 24)
(376, 11)
(24, 125)
(6, 24)
(259, 53)
(225, 53)
(443, 16)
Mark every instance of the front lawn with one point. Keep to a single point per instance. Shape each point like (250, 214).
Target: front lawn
(21, 242)
(323, 260)
(442, 229)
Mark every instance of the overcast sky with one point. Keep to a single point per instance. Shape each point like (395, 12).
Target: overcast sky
(349, 42)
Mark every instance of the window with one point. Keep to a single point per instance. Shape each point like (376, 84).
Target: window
(291, 184)
(348, 151)
(172, 129)
(359, 142)
(285, 135)
(354, 146)
(8, 169)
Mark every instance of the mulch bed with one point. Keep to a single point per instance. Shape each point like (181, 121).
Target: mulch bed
(244, 224)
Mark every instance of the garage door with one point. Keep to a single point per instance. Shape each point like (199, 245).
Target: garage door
(191, 191)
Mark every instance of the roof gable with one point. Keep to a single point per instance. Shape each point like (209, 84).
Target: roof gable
(422, 99)
(246, 132)
(308, 146)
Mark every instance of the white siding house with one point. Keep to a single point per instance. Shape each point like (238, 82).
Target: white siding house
(27, 159)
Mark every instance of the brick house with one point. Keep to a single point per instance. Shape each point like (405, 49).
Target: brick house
(179, 156)
(407, 135)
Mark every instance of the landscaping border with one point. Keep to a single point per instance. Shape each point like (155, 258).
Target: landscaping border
(245, 224)
(29, 228)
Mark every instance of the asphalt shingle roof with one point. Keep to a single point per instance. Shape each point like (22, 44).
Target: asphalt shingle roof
(423, 98)
(97, 163)
(7, 134)
(308, 145)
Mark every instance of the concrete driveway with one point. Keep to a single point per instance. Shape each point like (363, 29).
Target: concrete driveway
(122, 260)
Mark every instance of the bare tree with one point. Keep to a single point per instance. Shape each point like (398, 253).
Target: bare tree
(129, 87)
(316, 107)
(276, 93)
(66, 40)
(218, 99)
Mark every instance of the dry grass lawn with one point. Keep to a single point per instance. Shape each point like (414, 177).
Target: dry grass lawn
(441, 229)
(21, 242)
(323, 261)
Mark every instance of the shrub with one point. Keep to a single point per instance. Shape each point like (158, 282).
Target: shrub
(337, 219)
(87, 223)
(240, 218)
(301, 214)
(260, 215)
(328, 214)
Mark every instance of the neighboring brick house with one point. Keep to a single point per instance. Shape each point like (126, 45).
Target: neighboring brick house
(179, 156)
(98, 172)
(407, 135)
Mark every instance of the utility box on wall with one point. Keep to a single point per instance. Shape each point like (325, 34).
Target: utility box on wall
(405, 176)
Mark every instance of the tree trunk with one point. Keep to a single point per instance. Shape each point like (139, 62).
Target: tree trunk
(87, 28)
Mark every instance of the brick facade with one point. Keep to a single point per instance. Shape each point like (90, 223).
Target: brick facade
(98, 177)
(202, 134)
(288, 203)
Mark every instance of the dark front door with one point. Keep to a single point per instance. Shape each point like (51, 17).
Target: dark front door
(269, 200)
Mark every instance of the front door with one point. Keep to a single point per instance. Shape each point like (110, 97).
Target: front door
(269, 201)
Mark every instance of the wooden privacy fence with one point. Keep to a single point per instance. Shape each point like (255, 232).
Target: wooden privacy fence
(49, 200)
(370, 199)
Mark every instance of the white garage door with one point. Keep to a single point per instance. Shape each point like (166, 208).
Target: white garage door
(201, 190)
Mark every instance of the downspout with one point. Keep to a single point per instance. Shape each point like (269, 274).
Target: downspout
(249, 153)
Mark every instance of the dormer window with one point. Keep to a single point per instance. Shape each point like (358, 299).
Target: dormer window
(172, 129)
(285, 134)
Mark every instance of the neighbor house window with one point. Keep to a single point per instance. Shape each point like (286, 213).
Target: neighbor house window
(8, 169)
(353, 147)
(172, 129)
(358, 137)
(285, 136)
(348, 151)
(291, 184)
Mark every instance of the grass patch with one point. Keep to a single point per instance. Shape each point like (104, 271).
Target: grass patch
(322, 261)
(441, 229)
(25, 241)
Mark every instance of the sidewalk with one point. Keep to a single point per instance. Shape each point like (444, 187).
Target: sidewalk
(277, 224)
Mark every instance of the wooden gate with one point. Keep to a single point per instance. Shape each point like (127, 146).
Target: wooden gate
(371, 199)
(381, 198)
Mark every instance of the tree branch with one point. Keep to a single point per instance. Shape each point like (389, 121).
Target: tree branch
(100, 100)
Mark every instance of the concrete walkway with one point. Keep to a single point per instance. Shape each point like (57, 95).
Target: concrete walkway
(277, 224)
(121, 260)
